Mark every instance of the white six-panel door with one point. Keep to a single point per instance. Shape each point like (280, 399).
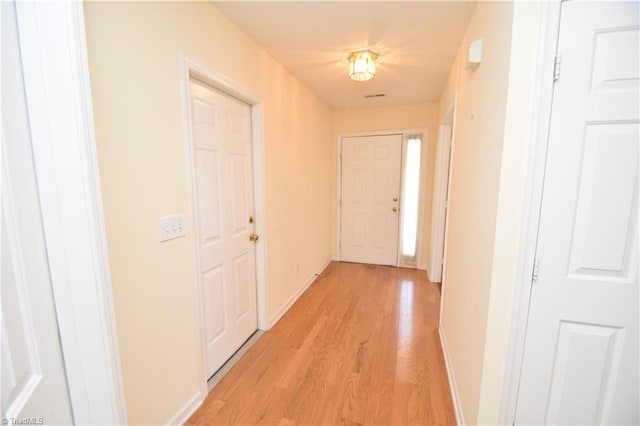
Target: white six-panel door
(369, 199)
(581, 353)
(221, 131)
(34, 384)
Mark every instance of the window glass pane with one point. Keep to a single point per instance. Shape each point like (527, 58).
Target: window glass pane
(410, 198)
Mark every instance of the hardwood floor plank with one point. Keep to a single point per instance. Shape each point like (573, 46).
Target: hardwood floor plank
(359, 347)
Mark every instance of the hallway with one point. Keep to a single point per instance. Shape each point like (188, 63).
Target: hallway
(360, 346)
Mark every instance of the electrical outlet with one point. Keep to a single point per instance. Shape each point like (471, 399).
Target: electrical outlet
(171, 227)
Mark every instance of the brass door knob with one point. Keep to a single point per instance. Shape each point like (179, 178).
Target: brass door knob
(395, 198)
(253, 237)
(395, 209)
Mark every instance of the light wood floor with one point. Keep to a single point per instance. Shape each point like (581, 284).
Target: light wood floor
(360, 346)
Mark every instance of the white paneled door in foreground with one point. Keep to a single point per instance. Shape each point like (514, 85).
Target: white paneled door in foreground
(370, 199)
(223, 203)
(581, 353)
(34, 382)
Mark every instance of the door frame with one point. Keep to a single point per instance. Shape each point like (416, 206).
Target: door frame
(423, 175)
(549, 27)
(190, 70)
(58, 96)
(441, 193)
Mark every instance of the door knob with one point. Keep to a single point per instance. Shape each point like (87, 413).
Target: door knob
(395, 209)
(395, 198)
(253, 237)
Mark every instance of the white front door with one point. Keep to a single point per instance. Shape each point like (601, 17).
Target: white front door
(581, 356)
(221, 154)
(370, 199)
(34, 384)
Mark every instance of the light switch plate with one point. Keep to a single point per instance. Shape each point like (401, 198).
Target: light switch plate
(171, 227)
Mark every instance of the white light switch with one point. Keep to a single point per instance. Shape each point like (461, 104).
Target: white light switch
(171, 227)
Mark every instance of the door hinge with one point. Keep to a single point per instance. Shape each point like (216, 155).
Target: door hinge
(556, 68)
(536, 267)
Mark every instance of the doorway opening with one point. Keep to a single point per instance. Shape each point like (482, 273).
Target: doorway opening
(444, 159)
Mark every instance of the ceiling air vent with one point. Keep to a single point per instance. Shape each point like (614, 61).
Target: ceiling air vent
(375, 95)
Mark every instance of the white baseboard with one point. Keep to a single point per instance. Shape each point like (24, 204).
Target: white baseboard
(289, 303)
(457, 407)
(186, 411)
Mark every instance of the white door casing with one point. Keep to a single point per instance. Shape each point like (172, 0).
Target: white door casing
(56, 87)
(223, 203)
(581, 351)
(34, 384)
(441, 197)
(370, 192)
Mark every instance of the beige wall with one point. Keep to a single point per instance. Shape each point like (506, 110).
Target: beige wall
(399, 117)
(134, 51)
(494, 123)
(479, 134)
(518, 132)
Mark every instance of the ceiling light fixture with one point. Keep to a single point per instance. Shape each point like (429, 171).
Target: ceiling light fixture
(362, 65)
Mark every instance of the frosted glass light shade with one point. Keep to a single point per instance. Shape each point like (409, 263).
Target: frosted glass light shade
(362, 65)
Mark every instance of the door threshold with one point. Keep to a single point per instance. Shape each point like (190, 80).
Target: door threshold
(227, 366)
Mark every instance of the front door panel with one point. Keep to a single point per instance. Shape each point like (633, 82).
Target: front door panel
(370, 193)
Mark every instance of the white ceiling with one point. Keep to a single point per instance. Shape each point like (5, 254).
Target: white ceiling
(417, 42)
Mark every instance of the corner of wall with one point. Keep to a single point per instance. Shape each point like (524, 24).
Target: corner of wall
(273, 319)
(186, 411)
(519, 126)
(474, 197)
